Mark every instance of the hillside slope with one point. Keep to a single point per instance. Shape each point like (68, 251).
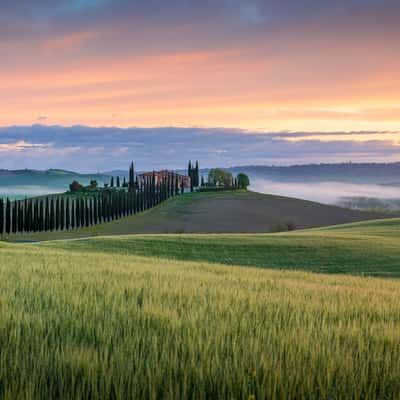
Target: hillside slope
(368, 248)
(242, 212)
(227, 212)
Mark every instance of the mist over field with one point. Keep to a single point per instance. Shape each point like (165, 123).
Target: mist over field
(20, 192)
(337, 193)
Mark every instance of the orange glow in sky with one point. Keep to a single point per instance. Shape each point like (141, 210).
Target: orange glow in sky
(248, 73)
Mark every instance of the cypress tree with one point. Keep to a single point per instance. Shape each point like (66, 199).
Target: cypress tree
(101, 209)
(67, 214)
(145, 193)
(36, 216)
(118, 182)
(1, 216)
(20, 217)
(105, 208)
(31, 222)
(196, 175)
(41, 217)
(82, 210)
(52, 222)
(134, 201)
(95, 211)
(8, 216)
(116, 205)
(31, 216)
(125, 204)
(111, 207)
(57, 214)
(20, 222)
(131, 177)
(47, 215)
(112, 182)
(98, 210)
(91, 211)
(119, 205)
(109, 210)
(153, 190)
(176, 184)
(62, 213)
(36, 221)
(14, 217)
(73, 214)
(87, 217)
(28, 215)
(78, 212)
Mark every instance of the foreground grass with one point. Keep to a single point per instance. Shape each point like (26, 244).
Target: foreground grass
(368, 248)
(98, 325)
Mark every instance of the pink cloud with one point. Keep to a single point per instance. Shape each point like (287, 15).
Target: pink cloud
(67, 42)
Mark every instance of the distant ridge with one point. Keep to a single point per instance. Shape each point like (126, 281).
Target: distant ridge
(54, 179)
(368, 173)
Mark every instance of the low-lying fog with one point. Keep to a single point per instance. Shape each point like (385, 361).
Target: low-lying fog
(337, 193)
(19, 192)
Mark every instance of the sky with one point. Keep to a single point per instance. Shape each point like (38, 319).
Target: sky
(256, 81)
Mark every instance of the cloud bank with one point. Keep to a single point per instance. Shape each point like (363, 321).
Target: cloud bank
(99, 149)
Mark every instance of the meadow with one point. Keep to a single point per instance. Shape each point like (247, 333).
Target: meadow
(98, 324)
(368, 248)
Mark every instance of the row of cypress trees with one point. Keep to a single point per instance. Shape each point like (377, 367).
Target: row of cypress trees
(59, 212)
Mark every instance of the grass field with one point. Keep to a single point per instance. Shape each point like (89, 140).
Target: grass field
(105, 325)
(367, 248)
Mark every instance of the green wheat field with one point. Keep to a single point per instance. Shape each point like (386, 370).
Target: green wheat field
(80, 321)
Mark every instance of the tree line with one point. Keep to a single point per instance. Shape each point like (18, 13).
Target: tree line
(60, 212)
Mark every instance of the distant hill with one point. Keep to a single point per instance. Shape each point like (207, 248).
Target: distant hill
(117, 172)
(368, 173)
(28, 182)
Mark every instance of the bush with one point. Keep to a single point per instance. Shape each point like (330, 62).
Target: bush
(220, 177)
(243, 181)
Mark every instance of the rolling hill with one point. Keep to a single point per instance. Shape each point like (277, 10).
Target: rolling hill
(225, 212)
(367, 248)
